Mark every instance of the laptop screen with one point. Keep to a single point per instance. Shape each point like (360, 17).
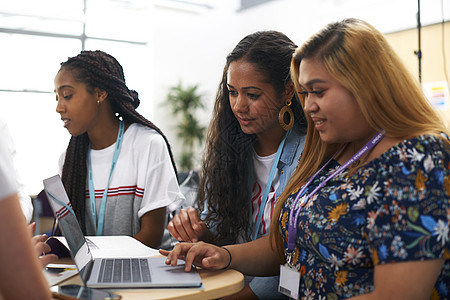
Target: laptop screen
(67, 221)
(160, 274)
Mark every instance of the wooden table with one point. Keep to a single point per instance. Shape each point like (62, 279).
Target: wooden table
(216, 284)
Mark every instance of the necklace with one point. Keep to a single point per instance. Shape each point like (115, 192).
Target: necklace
(362, 160)
(355, 164)
(358, 161)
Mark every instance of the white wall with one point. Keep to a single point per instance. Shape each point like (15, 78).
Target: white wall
(190, 47)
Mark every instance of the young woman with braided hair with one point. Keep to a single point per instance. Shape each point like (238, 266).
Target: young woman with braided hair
(118, 169)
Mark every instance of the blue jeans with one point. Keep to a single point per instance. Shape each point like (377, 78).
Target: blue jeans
(266, 288)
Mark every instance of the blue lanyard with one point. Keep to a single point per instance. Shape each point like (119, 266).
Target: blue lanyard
(268, 186)
(98, 224)
(62, 204)
(292, 231)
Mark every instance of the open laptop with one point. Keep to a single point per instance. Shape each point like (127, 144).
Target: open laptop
(118, 273)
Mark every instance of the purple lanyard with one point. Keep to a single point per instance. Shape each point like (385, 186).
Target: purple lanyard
(292, 231)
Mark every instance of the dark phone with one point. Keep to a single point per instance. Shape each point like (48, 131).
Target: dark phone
(73, 291)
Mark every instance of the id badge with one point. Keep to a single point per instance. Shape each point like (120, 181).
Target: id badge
(289, 281)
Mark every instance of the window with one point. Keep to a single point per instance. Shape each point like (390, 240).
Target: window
(36, 36)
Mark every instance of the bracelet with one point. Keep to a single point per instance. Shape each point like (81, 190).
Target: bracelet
(229, 263)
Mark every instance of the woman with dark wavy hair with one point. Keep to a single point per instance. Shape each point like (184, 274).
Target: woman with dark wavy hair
(253, 145)
(118, 169)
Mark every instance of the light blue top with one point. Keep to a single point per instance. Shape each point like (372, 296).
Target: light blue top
(287, 164)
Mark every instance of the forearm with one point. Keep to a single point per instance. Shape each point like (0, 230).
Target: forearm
(149, 238)
(152, 228)
(405, 280)
(256, 258)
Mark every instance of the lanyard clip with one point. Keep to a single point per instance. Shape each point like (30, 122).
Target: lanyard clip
(289, 255)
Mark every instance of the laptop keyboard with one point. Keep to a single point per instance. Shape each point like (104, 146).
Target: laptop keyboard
(124, 270)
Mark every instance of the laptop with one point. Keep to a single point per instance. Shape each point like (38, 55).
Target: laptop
(126, 272)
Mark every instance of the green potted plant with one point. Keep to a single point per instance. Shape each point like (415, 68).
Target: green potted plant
(184, 102)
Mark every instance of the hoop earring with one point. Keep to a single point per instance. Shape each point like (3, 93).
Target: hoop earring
(286, 120)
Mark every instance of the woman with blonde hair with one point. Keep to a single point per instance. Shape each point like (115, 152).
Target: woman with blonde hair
(367, 212)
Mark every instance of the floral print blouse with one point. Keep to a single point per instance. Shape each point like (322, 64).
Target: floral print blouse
(394, 209)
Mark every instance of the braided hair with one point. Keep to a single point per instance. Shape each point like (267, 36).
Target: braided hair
(98, 69)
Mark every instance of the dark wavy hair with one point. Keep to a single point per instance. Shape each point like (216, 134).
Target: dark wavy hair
(225, 173)
(97, 69)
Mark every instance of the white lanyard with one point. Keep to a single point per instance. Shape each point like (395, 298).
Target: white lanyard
(98, 224)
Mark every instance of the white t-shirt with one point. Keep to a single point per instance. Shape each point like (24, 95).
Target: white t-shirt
(24, 198)
(8, 182)
(143, 180)
(261, 168)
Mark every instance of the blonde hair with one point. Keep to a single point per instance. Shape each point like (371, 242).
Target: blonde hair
(360, 58)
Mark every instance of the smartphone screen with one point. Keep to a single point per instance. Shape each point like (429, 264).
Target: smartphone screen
(73, 291)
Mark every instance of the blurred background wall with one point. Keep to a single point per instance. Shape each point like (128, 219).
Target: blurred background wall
(161, 43)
